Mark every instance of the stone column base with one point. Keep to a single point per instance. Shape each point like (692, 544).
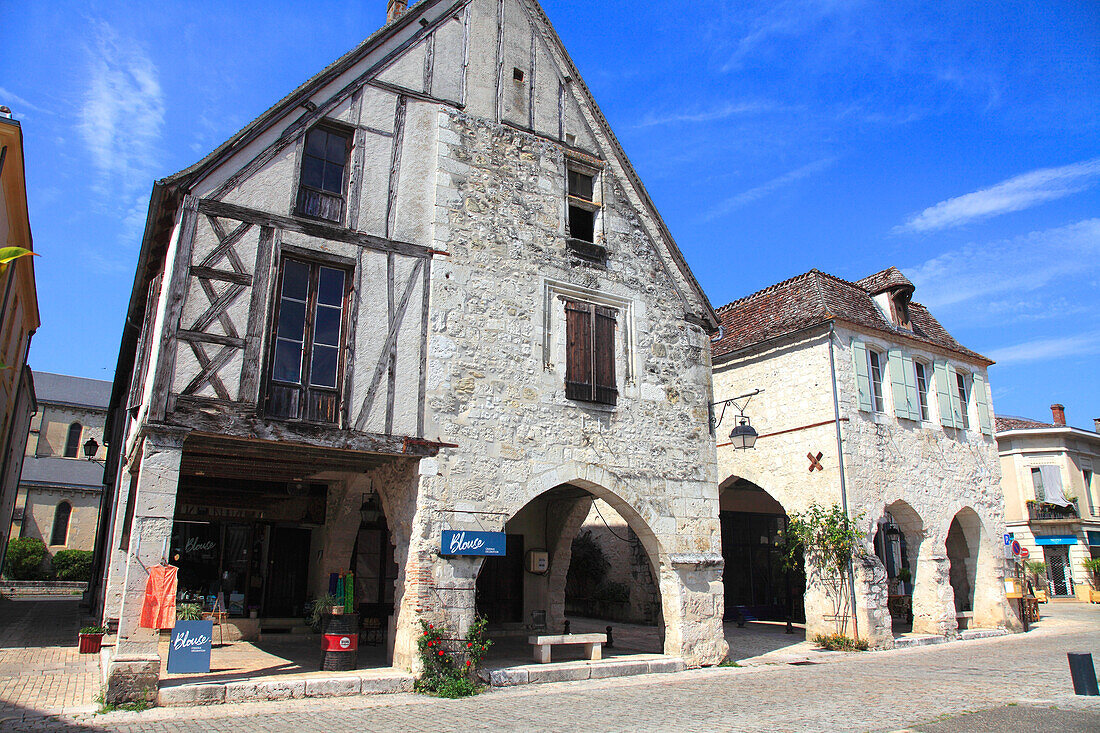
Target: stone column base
(132, 678)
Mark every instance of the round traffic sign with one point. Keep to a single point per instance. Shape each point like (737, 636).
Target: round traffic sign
(1024, 553)
(1016, 547)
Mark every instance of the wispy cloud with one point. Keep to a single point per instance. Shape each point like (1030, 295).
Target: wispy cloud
(1014, 194)
(1011, 266)
(785, 19)
(122, 120)
(755, 194)
(714, 114)
(1044, 349)
(17, 103)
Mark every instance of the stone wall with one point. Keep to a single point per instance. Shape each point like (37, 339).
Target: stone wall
(629, 564)
(888, 463)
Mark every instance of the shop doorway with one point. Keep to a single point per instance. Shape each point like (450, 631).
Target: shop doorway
(1058, 570)
(287, 572)
(500, 584)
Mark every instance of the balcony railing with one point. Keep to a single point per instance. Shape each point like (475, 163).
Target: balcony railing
(1038, 511)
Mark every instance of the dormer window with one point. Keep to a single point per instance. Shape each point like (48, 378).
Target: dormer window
(899, 305)
(322, 184)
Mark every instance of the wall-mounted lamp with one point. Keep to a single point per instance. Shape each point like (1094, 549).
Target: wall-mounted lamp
(744, 435)
(91, 447)
(371, 510)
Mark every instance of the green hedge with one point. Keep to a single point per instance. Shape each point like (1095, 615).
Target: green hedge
(24, 560)
(73, 565)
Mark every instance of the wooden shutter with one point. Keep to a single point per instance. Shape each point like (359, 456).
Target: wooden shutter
(911, 394)
(943, 394)
(902, 407)
(957, 405)
(604, 390)
(578, 351)
(982, 399)
(863, 375)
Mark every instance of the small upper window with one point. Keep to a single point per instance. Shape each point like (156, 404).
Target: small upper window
(324, 164)
(922, 389)
(60, 533)
(582, 206)
(964, 399)
(875, 360)
(72, 442)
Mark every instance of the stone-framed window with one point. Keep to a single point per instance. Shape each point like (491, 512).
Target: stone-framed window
(590, 352)
(72, 440)
(59, 534)
(307, 341)
(323, 173)
(584, 204)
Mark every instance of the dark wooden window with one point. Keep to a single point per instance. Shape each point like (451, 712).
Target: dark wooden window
(590, 353)
(324, 164)
(72, 442)
(60, 533)
(582, 206)
(307, 342)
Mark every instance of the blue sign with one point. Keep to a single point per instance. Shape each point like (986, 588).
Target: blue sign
(1057, 539)
(480, 544)
(1008, 538)
(189, 650)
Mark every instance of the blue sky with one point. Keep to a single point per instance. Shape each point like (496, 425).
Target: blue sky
(957, 141)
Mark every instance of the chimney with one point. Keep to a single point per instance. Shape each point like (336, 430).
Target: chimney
(395, 9)
(1059, 412)
(1096, 424)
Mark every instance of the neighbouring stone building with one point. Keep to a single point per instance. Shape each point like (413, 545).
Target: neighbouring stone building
(19, 320)
(428, 280)
(869, 403)
(61, 486)
(1052, 498)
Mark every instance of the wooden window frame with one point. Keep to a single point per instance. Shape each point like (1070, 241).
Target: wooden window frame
(303, 386)
(923, 405)
(963, 391)
(592, 250)
(302, 189)
(878, 397)
(590, 355)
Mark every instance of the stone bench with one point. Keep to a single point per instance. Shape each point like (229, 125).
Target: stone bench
(593, 645)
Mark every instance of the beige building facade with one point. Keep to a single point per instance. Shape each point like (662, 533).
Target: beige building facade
(1052, 497)
(427, 282)
(61, 486)
(19, 319)
(866, 402)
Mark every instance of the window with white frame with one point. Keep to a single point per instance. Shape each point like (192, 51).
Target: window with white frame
(874, 361)
(1037, 484)
(921, 373)
(1086, 474)
(962, 387)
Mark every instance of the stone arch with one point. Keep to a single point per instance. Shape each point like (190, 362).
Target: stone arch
(976, 590)
(899, 544)
(554, 518)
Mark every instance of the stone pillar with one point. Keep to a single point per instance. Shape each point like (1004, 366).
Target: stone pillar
(872, 609)
(933, 598)
(116, 556)
(561, 553)
(134, 672)
(693, 599)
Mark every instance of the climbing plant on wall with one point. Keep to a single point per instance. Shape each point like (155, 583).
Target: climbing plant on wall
(829, 539)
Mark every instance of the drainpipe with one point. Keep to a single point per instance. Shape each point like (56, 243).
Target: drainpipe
(843, 484)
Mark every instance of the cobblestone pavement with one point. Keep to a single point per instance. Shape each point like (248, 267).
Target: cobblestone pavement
(1009, 682)
(41, 670)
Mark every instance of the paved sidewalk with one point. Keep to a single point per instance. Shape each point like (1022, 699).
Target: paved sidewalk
(41, 671)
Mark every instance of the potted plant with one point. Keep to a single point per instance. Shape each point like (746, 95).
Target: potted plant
(91, 639)
(188, 612)
(1092, 566)
(323, 606)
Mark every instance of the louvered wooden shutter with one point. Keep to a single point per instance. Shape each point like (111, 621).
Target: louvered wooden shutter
(604, 357)
(982, 400)
(578, 350)
(943, 394)
(896, 362)
(863, 374)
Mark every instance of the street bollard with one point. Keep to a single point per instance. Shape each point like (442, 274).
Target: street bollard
(1083, 673)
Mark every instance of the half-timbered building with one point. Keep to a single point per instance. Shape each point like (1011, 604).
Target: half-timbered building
(428, 287)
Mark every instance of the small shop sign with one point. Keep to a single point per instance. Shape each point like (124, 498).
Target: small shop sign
(477, 544)
(1057, 539)
(189, 649)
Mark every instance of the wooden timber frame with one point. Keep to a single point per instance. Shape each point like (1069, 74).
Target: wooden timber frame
(236, 411)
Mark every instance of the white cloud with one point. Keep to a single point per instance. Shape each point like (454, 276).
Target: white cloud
(1014, 194)
(16, 103)
(1046, 349)
(723, 112)
(122, 119)
(1012, 266)
(785, 19)
(769, 187)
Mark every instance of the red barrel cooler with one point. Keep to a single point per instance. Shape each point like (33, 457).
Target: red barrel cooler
(340, 643)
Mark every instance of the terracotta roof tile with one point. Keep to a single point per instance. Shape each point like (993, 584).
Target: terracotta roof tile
(1009, 422)
(815, 297)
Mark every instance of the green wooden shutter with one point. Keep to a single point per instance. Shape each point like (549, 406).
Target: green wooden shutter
(910, 374)
(982, 400)
(902, 408)
(943, 394)
(957, 406)
(863, 374)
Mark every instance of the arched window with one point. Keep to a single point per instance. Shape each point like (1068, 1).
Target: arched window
(60, 534)
(72, 443)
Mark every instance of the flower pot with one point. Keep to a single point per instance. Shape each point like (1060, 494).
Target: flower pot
(337, 610)
(90, 643)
